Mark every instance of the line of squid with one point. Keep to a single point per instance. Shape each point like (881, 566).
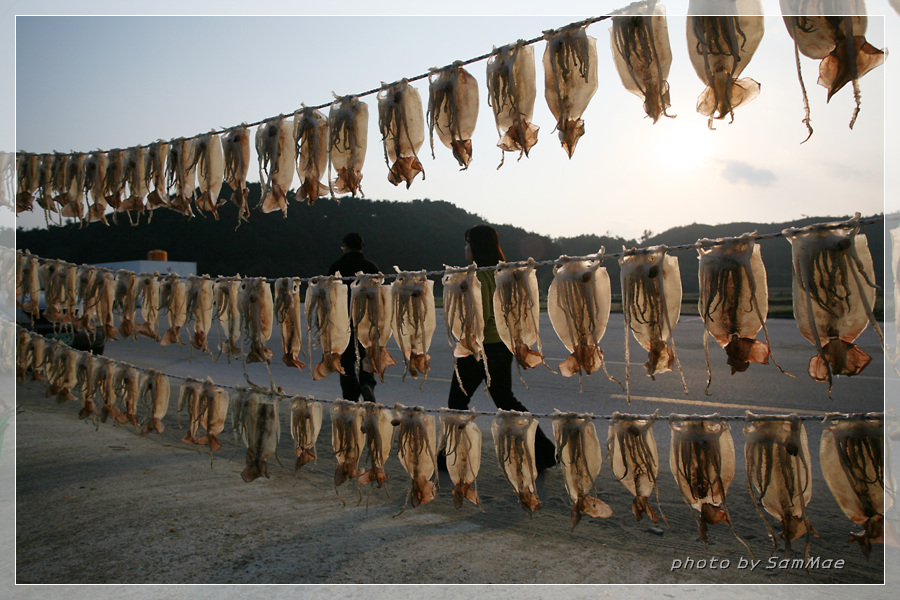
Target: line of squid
(651, 301)
(734, 301)
(702, 460)
(853, 463)
(833, 294)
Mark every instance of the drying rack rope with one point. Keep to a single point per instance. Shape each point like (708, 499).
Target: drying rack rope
(590, 257)
(280, 396)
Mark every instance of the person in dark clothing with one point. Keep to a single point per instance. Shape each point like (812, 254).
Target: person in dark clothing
(483, 246)
(355, 381)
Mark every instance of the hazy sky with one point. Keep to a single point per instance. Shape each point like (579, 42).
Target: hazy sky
(89, 82)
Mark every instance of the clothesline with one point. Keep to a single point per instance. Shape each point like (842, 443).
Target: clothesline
(590, 257)
(635, 6)
(280, 396)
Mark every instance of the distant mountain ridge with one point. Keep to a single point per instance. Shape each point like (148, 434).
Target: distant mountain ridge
(413, 235)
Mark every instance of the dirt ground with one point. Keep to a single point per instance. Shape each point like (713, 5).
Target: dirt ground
(110, 506)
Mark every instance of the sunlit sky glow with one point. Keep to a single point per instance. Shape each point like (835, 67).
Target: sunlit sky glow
(89, 82)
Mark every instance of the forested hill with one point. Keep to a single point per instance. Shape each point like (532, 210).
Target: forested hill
(421, 234)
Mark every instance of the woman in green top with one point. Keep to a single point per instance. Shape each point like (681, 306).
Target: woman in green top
(483, 246)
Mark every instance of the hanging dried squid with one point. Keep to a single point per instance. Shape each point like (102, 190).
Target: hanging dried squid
(720, 47)
(128, 386)
(27, 180)
(115, 181)
(311, 140)
(173, 299)
(463, 314)
(414, 319)
(7, 177)
(852, 456)
(257, 315)
(376, 425)
(513, 434)
(734, 300)
(581, 459)
(228, 313)
(832, 31)
(402, 128)
(833, 295)
(156, 174)
(289, 313)
(53, 275)
(181, 167)
(213, 404)
(778, 474)
(189, 398)
(149, 294)
(306, 421)
(210, 171)
(578, 304)
(651, 301)
(453, 110)
(200, 309)
(372, 313)
(634, 460)
(155, 392)
(461, 446)
(642, 55)
(517, 301)
(85, 374)
(348, 122)
(702, 460)
(276, 153)
(327, 322)
(28, 283)
(346, 440)
(95, 166)
(570, 80)
(257, 420)
(63, 373)
(236, 155)
(511, 95)
(106, 375)
(136, 177)
(125, 301)
(46, 183)
(74, 187)
(417, 451)
(105, 284)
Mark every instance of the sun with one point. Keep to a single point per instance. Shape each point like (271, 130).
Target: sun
(683, 145)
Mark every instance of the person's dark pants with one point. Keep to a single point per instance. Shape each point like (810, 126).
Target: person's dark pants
(356, 381)
(499, 363)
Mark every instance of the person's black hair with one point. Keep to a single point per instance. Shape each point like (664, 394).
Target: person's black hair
(484, 242)
(354, 242)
